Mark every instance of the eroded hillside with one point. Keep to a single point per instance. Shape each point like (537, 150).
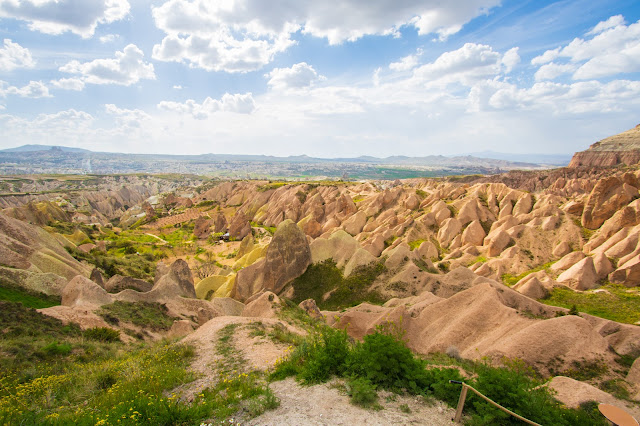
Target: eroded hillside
(477, 267)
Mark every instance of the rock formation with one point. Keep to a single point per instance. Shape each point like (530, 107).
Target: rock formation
(623, 148)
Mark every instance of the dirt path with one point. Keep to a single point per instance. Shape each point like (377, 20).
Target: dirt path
(260, 352)
(326, 405)
(156, 237)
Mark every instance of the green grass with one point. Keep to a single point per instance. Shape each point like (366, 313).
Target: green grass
(31, 342)
(72, 384)
(511, 280)
(144, 314)
(479, 259)
(28, 298)
(323, 277)
(122, 261)
(584, 232)
(619, 305)
(415, 244)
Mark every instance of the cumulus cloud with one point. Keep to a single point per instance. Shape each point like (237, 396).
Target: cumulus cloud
(58, 16)
(13, 56)
(35, 89)
(561, 99)
(127, 117)
(125, 69)
(407, 63)
(612, 22)
(49, 124)
(220, 52)
(237, 103)
(470, 63)
(613, 49)
(68, 84)
(510, 59)
(299, 76)
(546, 57)
(245, 35)
(552, 70)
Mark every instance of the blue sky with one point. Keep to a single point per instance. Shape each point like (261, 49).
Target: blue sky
(327, 79)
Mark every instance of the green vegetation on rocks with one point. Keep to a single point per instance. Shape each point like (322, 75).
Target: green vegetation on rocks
(325, 277)
(383, 361)
(616, 302)
(143, 314)
(30, 299)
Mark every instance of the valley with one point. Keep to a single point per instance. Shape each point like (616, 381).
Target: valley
(203, 294)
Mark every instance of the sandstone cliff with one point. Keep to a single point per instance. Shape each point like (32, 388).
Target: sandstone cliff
(623, 148)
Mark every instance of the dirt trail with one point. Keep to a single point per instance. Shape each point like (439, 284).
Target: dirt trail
(325, 404)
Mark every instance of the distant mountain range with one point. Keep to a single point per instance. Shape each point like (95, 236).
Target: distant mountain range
(547, 159)
(36, 159)
(506, 159)
(36, 148)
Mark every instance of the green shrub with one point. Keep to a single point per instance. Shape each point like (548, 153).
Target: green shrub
(516, 388)
(323, 356)
(387, 362)
(102, 334)
(324, 277)
(56, 348)
(362, 392)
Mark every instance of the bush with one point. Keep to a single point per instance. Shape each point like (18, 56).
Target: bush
(56, 348)
(102, 334)
(386, 361)
(324, 355)
(362, 392)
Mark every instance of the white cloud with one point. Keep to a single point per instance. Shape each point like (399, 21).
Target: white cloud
(244, 35)
(613, 49)
(35, 89)
(612, 22)
(563, 99)
(178, 87)
(470, 63)
(13, 56)
(237, 103)
(510, 59)
(68, 84)
(48, 125)
(108, 38)
(219, 52)
(127, 117)
(546, 57)
(126, 69)
(407, 63)
(58, 16)
(552, 70)
(299, 76)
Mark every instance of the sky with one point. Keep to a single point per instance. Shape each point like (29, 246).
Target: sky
(331, 78)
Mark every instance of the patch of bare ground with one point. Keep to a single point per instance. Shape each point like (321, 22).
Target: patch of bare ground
(328, 404)
(246, 350)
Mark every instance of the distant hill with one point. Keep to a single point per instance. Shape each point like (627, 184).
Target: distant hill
(36, 148)
(34, 159)
(547, 159)
(623, 148)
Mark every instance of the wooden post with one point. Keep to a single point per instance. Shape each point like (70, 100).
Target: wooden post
(463, 397)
